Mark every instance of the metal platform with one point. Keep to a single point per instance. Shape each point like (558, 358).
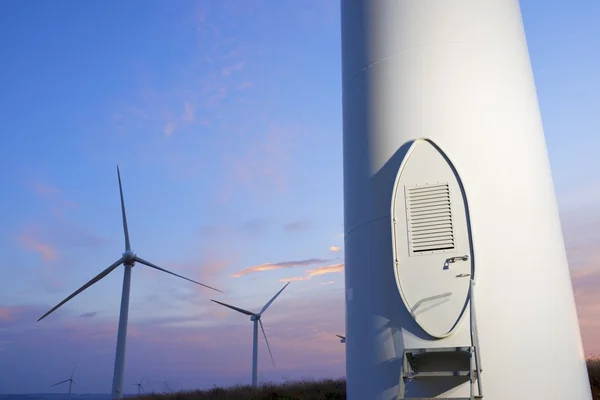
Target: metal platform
(443, 362)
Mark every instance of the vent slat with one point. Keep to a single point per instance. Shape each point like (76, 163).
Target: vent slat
(437, 216)
(428, 188)
(429, 213)
(428, 200)
(422, 213)
(431, 195)
(433, 233)
(437, 240)
(427, 207)
(431, 225)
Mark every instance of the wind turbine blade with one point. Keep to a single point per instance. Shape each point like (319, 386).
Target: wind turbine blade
(59, 383)
(73, 371)
(127, 244)
(149, 264)
(234, 308)
(341, 337)
(87, 285)
(265, 335)
(272, 300)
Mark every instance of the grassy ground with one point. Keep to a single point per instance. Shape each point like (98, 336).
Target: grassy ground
(309, 390)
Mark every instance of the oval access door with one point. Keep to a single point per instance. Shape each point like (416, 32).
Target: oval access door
(430, 235)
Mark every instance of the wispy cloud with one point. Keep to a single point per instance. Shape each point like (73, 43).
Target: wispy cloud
(229, 69)
(298, 226)
(178, 343)
(169, 128)
(261, 166)
(335, 249)
(212, 230)
(278, 265)
(6, 314)
(51, 193)
(188, 112)
(256, 226)
(31, 242)
(311, 273)
(45, 190)
(245, 85)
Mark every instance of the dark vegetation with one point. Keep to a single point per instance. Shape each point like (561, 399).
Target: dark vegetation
(310, 390)
(594, 372)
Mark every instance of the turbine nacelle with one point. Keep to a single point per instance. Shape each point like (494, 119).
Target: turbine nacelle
(129, 258)
(255, 317)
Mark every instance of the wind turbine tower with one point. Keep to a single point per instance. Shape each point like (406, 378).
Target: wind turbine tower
(256, 319)
(139, 386)
(457, 281)
(70, 380)
(128, 260)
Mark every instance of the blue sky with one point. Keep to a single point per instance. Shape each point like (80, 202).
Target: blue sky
(225, 119)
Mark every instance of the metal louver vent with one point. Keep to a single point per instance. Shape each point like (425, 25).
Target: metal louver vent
(429, 215)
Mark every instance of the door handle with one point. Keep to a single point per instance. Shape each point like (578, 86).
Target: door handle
(461, 258)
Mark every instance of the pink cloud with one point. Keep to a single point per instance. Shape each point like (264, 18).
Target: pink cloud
(278, 265)
(169, 128)
(209, 270)
(32, 243)
(51, 193)
(194, 356)
(335, 249)
(6, 314)
(586, 282)
(311, 273)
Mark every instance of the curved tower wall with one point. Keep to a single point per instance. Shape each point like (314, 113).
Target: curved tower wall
(457, 73)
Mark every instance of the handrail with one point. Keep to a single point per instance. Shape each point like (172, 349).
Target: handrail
(475, 335)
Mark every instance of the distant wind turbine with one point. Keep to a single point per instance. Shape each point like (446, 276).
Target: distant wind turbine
(167, 384)
(70, 380)
(342, 338)
(257, 321)
(139, 385)
(128, 259)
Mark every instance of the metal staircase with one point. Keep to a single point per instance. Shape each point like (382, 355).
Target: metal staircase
(424, 363)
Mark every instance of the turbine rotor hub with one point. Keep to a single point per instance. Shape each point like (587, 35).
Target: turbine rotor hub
(254, 317)
(129, 258)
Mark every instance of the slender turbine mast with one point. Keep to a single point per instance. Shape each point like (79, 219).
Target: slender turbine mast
(256, 319)
(139, 386)
(128, 260)
(70, 380)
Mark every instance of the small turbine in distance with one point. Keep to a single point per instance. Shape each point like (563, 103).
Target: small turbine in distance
(128, 259)
(70, 380)
(140, 387)
(257, 321)
(342, 338)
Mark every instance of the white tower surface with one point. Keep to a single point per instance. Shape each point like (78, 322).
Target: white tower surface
(439, 97)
